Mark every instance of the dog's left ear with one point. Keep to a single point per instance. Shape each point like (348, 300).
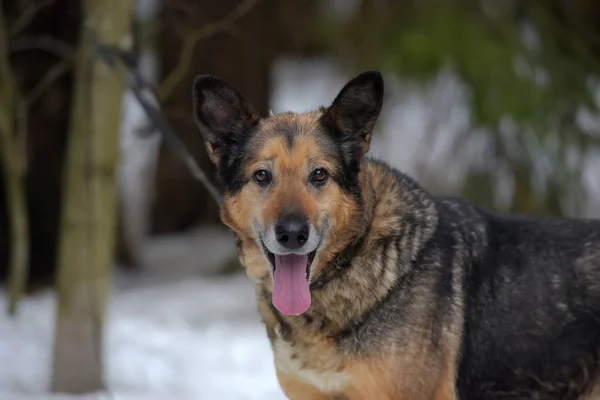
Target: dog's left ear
(353, 113)
(222, 114)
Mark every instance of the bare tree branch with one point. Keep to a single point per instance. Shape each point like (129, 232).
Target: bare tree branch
(193, 38)
(182, 7)
(148, 100)
(160, 124)
(13, 124)
(53, 74)
(53, 46)
(22, 128)
(27, 16)
(46, 43)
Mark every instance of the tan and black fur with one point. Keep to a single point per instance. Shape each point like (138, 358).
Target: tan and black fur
(413, 296)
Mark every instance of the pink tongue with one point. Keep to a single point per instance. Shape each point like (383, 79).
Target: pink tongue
(291, 295)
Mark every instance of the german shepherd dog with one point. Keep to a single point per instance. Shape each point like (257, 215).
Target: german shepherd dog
(372, 288)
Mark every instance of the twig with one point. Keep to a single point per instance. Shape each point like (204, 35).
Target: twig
(177, 146)
(53, 74)
(179, 30)
(27, 16)
(191, 40)
(13, 117)
(141, 89)
(181, 6)
(21, 128)
(53, 46)
(46, 43)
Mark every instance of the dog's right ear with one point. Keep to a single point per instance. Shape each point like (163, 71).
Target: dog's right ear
(222, 114)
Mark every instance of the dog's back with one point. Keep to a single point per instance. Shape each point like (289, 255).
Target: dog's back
(532, 304)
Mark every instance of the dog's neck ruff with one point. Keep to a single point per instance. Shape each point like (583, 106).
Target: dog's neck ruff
(390, 229)
(341, 262)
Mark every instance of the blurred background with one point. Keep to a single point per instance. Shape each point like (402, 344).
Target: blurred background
(118, 280)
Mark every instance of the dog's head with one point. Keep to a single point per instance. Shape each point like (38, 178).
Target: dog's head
(291, 180)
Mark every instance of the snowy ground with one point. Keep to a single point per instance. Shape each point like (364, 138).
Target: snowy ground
(195, 338)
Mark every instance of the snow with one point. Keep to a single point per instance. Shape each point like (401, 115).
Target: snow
(197, 338)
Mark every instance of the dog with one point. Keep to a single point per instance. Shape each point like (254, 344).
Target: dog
(372, 288)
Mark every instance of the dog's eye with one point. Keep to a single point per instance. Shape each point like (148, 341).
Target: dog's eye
(262, 177)
(319, 176)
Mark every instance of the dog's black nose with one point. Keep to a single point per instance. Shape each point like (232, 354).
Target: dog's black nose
(292, 231)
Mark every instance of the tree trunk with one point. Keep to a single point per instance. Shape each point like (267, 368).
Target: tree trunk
(12, 150)
(89, 210)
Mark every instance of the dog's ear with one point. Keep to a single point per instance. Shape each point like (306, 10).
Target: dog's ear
(222, 114)
(353, 113)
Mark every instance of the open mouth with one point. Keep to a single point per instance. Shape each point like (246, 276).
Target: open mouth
(291, 294)
(272, 259)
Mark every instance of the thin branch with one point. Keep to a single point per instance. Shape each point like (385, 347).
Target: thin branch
(174, 10)
(148, 100)
(160, 124)
(13, 117)
(193, 38)
(27, 16)
(181, 6)
(179, 30)
(53, 46)
(53, 74)
(22, 128)
(46, 43)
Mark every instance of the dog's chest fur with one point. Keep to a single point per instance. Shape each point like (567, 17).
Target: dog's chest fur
(309, 361)
(309, 358)
(316, 363)
(303, 353)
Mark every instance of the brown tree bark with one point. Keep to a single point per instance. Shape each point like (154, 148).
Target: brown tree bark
(89, 212)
